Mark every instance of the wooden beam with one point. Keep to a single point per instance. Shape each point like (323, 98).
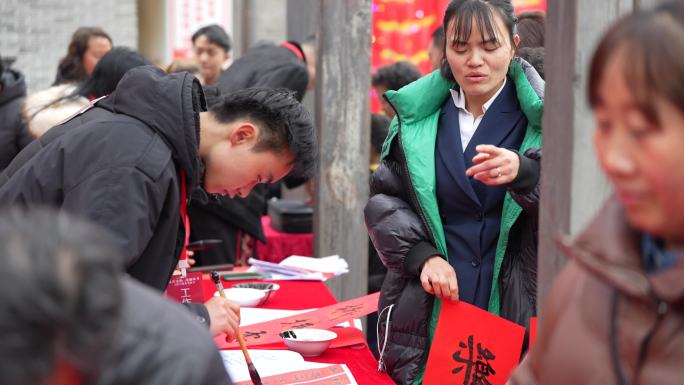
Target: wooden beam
(573, 188)
(343, 119)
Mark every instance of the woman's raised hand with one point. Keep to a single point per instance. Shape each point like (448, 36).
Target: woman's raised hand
(494, 166)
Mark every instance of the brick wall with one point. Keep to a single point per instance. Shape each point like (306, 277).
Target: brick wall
(37, 32)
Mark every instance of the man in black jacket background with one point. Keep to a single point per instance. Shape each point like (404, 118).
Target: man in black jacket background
(125, 163)
(237, 221)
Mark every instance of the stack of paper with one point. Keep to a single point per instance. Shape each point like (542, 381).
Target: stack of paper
(301, 268)
(327, 265)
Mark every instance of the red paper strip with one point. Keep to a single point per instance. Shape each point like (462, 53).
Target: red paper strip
(323, 318)
(533, 332)
(472, 346)
(329, 375)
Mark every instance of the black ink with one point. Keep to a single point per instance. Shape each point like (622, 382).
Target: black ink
(482, 366)
(255, 335)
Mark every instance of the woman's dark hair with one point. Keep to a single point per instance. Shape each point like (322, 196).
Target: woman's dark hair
(109, 71)
(531, 29)
(70, 68)
(438, 37)
(215, 34)
(651, 44)
(462, 12)
(105, 77)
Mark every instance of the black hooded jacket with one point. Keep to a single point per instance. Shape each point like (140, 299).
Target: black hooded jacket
(13, 133)
(268, 65)
(118, 164)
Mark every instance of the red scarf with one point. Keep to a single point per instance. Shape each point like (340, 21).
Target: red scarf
(294, 50)
(186, 222)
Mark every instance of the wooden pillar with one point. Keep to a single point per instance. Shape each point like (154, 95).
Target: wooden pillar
(343, 119)
(573, 187)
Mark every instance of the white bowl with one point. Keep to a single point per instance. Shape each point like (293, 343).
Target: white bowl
(308, 342)
(244, 297)
(267, 287)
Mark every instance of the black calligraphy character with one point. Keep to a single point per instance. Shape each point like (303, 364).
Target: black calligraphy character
(255, 335)
(345, 311)
(482, 366)
(294, 322)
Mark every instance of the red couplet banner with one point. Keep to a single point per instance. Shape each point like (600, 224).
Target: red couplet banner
(323, 318)
(472, 346)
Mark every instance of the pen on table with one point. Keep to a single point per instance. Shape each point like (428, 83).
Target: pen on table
(253, 374)
(207, 269)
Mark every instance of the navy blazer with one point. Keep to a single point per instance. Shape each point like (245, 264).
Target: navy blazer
(469, 209)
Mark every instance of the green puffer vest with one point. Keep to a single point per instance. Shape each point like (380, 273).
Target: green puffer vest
(418, 106)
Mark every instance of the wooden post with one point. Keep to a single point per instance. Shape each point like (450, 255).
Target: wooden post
(343, 119)
(573, 187)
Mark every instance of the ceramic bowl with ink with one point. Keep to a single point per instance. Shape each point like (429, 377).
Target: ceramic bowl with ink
(267, 287)
(308, 342)
(244, 297)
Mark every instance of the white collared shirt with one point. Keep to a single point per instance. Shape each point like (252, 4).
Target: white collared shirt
(467, 122)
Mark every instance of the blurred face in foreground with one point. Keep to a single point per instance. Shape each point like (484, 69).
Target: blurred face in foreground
(643, 159)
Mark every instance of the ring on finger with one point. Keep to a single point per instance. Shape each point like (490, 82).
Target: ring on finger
(498, 171)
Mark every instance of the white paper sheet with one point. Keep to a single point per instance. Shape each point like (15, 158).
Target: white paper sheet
(253, 315)
(266, 362)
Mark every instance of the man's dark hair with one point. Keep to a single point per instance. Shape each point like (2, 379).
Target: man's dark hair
(534, 56)
(379, 128)
(531, 29)
(285, 125)
(438, 37)
(60, 295)
(395, 76)
(215, 34)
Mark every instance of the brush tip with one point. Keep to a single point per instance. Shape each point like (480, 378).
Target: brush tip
(215, 276)
(254, 375)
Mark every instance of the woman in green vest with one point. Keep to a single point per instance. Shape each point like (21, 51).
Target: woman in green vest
(453, 214)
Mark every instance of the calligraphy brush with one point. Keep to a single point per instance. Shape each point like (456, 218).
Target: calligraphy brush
(253, 374)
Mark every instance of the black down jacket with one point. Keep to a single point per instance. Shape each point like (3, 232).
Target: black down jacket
(118, 164)
(13, 134)
(397, 232)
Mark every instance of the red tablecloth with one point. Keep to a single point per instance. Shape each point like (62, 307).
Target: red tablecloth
(298, 295)
(279, 245)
